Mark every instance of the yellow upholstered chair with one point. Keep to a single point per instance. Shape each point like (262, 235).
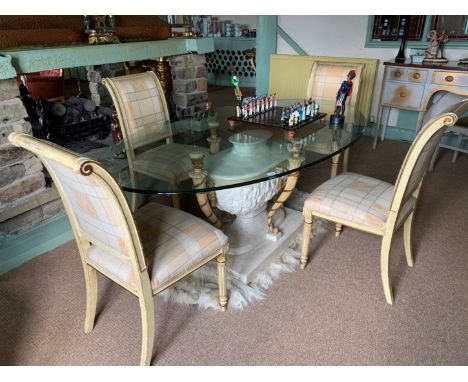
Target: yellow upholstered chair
(324, 81)
(144, 119)
(375, 206)
(144, 252)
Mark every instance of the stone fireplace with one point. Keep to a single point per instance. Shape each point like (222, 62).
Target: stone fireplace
(30, 207)
(25, 199)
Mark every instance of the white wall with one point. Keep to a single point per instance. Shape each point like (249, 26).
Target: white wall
(341, 36)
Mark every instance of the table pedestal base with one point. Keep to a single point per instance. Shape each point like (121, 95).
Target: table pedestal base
(250, 251)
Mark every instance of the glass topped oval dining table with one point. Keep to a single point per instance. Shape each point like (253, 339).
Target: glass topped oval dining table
(235, 169)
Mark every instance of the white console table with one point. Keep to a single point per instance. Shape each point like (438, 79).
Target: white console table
(411, 86)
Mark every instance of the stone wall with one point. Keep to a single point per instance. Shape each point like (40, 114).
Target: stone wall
(96, 73)
(24, 198)
(189, 84)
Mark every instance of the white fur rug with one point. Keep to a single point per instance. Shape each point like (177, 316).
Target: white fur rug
(201, 287)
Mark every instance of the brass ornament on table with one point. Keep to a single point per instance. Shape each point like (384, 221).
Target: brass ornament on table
(103, 31)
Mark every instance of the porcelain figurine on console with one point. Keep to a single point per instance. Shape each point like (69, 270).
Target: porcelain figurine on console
(434, 52)
(344, 91)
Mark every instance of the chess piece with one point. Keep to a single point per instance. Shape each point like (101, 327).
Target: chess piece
(316, 108)
(344, 91)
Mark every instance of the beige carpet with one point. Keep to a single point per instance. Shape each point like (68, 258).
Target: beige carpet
(332, 313)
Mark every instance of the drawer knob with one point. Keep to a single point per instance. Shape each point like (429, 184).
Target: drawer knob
(397, 74)
(402, 94)
(449, 78)
(416, 76)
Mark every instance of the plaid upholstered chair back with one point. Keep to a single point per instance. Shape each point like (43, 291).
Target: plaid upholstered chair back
(141, 107)
(418, 158)
(97, 209)
(325, 80)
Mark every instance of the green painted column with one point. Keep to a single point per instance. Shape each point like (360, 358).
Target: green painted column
(265, 46)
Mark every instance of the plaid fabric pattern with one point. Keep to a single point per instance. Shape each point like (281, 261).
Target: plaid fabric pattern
(327, 80)
(145, 117)
(356, 198)
(173, 241)
(170, 163)
(422, 163)
(96, 214)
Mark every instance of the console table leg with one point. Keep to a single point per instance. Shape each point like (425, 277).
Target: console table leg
(377, 127)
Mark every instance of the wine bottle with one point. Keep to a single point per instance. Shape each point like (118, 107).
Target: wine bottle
(400, 58)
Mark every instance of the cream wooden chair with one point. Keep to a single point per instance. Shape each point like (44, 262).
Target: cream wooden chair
(142, 110)
(324, 81)
(375, 206)
(439, 102)
(144, 253)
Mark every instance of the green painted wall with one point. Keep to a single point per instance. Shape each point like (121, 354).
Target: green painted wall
(18, 249)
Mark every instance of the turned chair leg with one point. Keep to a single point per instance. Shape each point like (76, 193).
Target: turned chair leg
(223, 298)
(91, 297)
(308, 219)
(345, 160)
(335, 164)
(338, 228)
(408, 236)
(176, 201)
(136, 197)
(384, 264)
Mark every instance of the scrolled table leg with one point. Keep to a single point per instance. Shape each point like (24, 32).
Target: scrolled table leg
(198, 176)
(295, 160)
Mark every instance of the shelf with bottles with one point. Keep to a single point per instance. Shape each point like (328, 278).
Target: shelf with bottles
(392, 27)
(209, 26)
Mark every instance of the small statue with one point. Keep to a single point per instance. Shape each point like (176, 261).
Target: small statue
(99, 22)
(344, 91)
(237, 91)
(434, 51)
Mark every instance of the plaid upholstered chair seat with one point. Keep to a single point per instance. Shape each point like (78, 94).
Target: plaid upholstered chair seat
(356, 198)
(169, 163)
(173, 243)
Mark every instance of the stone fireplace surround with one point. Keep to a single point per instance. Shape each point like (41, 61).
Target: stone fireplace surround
(25, 201)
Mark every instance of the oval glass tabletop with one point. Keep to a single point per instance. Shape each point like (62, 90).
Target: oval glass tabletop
(215, 152)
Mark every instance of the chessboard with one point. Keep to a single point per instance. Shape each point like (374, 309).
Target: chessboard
(273, 118)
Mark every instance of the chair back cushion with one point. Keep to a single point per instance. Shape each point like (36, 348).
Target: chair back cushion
(141, 107)
(420, 153)
(96, 206)
(439, 102)
(325, 80)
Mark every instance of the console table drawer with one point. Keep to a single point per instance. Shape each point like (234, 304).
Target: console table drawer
(403, 95)
(450, 79)
(406, 75)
